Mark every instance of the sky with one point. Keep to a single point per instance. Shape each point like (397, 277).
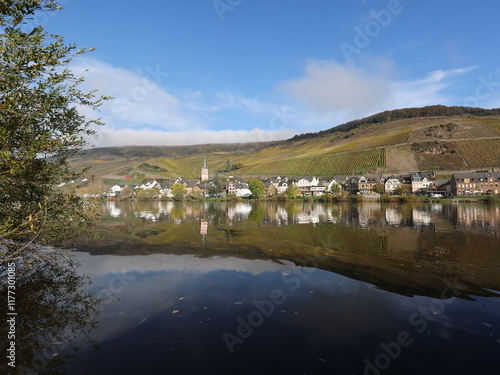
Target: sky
(215, 71)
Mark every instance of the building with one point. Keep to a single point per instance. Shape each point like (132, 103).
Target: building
(305, 184)
(351, 185)
(422, 181)
(204, 170)
(241, 189)
(367, 183)
(475, 183)
(392, 184)
(114, 191)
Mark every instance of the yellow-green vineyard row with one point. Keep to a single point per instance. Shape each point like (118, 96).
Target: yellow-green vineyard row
(401, 137)
(481, 153)
(327, 165)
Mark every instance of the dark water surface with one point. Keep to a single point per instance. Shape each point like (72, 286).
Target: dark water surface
(293, 288)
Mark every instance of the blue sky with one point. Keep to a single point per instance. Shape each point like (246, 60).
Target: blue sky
(205, 71)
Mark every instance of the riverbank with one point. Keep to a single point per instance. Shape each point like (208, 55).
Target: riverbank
(489, 199)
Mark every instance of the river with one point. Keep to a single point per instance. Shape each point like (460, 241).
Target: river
(292, 288)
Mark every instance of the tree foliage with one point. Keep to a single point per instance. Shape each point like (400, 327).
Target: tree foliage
(379, 188)
(336, 188)
(257, 187)
(178, 191)
(150, 193)
(292, 191)
(41, 127)
(215, 187)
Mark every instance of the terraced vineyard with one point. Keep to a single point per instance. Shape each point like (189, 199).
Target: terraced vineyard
(172, 168)
(395, 139)
(326, 165)
(347, 162)
(481, 153)
(288, 167)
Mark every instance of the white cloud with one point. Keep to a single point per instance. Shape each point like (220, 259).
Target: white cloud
(426, 91)
(107, 136)
(329, 87)
(103, 265)
(144, 112)
(139, 100)
(330, 92)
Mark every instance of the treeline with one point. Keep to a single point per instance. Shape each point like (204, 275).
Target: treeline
(401, 114)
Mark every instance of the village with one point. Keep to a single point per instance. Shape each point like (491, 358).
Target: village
(369, 186)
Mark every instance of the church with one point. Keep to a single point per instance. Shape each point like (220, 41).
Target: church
(204, 170)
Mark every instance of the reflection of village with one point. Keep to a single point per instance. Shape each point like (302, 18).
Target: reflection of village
(370, 186)
(407, 248)
(432, 216)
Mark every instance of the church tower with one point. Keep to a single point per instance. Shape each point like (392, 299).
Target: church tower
(204, 170)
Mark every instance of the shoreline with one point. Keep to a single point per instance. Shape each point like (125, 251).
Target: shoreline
(348, 199)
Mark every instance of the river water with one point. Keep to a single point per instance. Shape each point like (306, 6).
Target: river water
(292, 288)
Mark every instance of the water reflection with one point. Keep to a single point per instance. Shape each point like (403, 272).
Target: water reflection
(294, 288)
(405, 248)
(53, 308)
(456, 216)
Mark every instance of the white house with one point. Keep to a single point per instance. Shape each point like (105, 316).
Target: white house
(392, 184)
(282, 186)
(307, 182)
(332, 184)
(115, 191)
(242, 190)
(150, 185)
(418, 182)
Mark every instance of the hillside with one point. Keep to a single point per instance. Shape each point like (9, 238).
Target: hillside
(436, 138)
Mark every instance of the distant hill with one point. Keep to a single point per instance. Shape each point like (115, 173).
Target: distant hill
(430, 138)
(406, 113)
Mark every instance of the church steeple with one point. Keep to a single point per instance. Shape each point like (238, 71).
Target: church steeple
(204, 170)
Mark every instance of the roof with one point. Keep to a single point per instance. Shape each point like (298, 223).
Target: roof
(476, 176)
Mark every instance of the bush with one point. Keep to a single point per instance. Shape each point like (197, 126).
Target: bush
(493, 199)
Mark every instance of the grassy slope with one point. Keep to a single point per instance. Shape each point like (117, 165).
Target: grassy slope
(397, 146)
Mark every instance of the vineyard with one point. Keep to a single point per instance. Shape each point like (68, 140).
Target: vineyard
(172, 168)
(390, 140)
(482, 153)
(326, 165)
(347, 162)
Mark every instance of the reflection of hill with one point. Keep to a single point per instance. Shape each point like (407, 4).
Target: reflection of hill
(399, 259)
